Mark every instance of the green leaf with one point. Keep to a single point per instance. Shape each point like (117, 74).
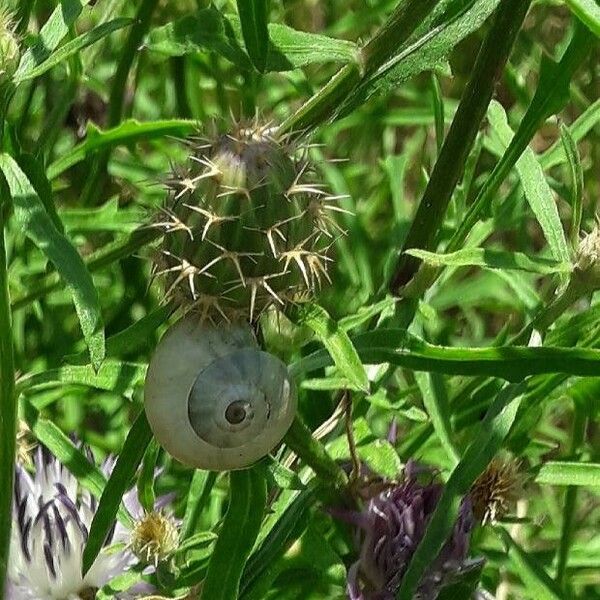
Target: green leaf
(581, 127)
(425, 50)
(132, 338)
(537, 582)
(145, 484)
(208, 29)
(197, 498)
(254, 17)
(53, 31)
(484, 446)
(125, 133)
(536, 188)
(576, 173)
(513, 363)
(569, 473)
(113, 376)
(292, 518)
(588, 12)
(493, 259)
(117, 485)
(435, 400)
(70, 48)
(247, 501)
(38, 226)
(336, 341)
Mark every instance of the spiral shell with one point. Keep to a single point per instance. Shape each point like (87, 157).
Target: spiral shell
(213, 399)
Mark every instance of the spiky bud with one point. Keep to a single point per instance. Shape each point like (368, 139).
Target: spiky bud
(245, 226)
(9, 46)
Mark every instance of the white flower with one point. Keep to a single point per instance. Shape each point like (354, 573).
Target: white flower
(52, 515)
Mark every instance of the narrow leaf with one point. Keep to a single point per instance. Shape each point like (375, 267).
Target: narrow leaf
(569, 473)
(38, 226)
(125, 133)
(254, 16)
(53, 31)
(537, 582)
(576, 173)
(247, 501)
(87, 474)
(117, 485)
(536, 187)
(493, 259)
(71, 48)
(337, 343)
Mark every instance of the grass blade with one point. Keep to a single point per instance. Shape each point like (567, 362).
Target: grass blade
(569, 473)
(254, 16)
(71, 48)
(8, 399)
(588, 12)
(247, 501)
(118, 483)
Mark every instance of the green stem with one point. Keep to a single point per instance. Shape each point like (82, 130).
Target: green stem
(323, 106)
(8, 404)
(117, 95)
(472, 108)
(300, 439)
(178, 70)
(568, 519)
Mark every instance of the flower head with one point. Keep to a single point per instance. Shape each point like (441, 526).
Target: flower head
(154, 537)
(587, 265)
(495, 490)
(389, 530)
(51, 521)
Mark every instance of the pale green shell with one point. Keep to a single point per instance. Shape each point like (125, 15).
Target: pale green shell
(213, 399)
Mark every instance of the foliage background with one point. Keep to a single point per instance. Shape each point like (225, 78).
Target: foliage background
(100, 187)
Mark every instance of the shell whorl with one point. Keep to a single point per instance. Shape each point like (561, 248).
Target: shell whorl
(213, 399)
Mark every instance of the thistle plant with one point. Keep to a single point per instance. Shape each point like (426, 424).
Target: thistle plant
(247, 225)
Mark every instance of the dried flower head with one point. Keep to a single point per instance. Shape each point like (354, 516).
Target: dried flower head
(25, 444)
(495, 490)
(154, 537)
(389, 530)
(587, 264)
(246, 227)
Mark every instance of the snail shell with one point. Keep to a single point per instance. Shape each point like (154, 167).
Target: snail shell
(213, 399)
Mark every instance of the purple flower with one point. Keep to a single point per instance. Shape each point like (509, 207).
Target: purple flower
(389, 529)
(51, 521)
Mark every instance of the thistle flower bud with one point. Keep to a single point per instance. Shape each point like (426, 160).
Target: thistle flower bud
(245, 227)
(391, 526)
(9, 47)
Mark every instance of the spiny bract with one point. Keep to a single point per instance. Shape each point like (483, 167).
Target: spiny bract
(246, 228)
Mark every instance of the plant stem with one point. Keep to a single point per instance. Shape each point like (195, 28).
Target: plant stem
(386, 42)
(116, 102)
(8, 404)
(300, 439)
(568, 515)
(473, 106)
